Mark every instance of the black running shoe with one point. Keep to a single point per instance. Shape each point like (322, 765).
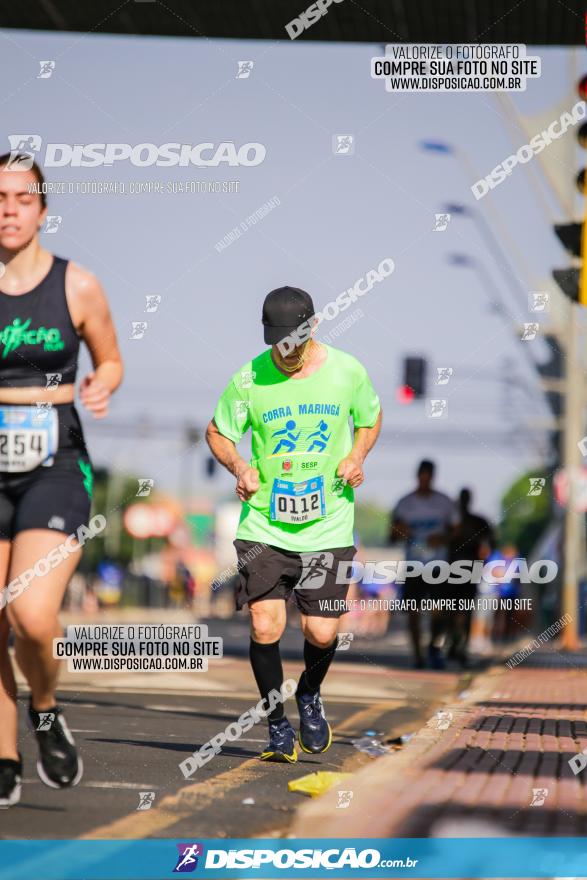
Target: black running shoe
(436, 658)
(315, 734)
(281, 747)
(58, 765)
(10, 779)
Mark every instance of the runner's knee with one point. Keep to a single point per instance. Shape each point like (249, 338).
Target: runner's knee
(320, 632)
(266, 631)
(266, 626)
(32, 628)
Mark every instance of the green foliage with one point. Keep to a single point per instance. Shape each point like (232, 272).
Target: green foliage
(112, 494)
(372, 525)
(524, 517)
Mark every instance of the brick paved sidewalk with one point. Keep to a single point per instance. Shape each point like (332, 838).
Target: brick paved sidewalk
(513, 732)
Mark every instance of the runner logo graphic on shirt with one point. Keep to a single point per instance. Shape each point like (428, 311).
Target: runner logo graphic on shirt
(18, 333)
(316, 441)
(321, 439)
(288, 439)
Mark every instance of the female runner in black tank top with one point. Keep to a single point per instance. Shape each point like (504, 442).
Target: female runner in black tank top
(47, 305)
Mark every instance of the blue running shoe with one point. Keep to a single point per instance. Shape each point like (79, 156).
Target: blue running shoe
(281, 747)
(315, 734)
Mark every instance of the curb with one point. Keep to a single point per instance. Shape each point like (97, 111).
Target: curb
(379, 789)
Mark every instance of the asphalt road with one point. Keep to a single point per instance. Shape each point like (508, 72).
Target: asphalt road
(132, 739)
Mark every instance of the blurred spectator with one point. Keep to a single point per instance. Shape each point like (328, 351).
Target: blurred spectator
(374, 620)
(182, 586)
(90, 601)
(472, 539)
(76, 589)
(424, 519)
(504, 627)
(487, 593)
(186, 583)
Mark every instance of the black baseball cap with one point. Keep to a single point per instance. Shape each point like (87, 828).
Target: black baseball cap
(284, 309)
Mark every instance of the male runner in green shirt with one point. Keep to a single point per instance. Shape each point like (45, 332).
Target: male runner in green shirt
(296, 523)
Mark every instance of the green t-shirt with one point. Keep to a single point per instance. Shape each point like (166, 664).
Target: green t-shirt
(300, 434)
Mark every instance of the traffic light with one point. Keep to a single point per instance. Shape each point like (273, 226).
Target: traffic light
(414, 380)
(569, 234)
(552, 373)
(568, 280)
(573, 236)
(192, 435)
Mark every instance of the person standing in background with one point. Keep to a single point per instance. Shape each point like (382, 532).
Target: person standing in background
(424, 520)
(472, 539)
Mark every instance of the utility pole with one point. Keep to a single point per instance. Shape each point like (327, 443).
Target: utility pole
(573, 283)
(574, 520)
(192, 437)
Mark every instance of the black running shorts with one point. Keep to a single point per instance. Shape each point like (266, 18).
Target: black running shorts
(416, 588)
(56, 497)
(267, 572)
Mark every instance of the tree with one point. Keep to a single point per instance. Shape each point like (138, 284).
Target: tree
(525, 516)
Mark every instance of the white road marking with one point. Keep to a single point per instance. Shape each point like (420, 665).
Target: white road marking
(147, 786)
(156, 707)
(83, 706)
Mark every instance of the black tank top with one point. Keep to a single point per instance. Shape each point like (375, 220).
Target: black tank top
(37, 337)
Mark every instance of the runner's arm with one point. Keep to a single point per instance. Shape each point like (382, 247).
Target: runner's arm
(224, 450)
(365, 439)
(351, 467)
(91, 315)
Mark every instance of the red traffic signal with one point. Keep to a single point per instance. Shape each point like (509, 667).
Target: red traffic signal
(414, 378)
(404, 394)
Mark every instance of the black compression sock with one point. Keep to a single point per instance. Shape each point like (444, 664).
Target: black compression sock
(317, 662)
(268, 672)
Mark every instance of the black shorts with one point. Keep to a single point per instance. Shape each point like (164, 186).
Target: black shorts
(56, 497)
(267, 572)
(416, 588)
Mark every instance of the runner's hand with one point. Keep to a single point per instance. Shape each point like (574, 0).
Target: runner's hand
(247, 483)
(94, 396)
(351, 470)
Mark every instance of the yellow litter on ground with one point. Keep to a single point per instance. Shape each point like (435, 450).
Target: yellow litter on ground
(317, 783)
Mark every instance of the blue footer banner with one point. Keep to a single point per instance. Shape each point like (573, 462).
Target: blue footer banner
(552, 857)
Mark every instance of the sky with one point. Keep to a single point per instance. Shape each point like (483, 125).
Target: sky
(335, 218)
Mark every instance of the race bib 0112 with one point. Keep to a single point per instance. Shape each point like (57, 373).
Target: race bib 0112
(297, 503)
